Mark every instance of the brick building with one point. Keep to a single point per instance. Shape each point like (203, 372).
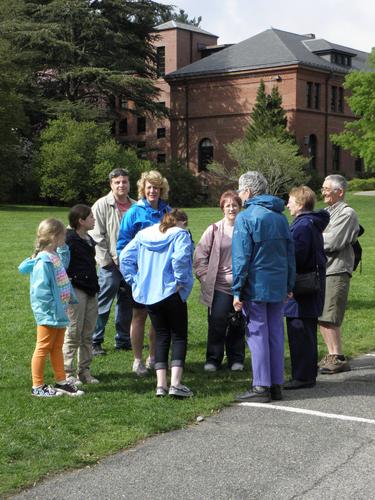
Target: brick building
(211, 89)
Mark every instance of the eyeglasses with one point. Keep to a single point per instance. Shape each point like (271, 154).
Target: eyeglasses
(326, 190)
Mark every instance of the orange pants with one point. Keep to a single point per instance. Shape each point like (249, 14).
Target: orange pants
(48, 340)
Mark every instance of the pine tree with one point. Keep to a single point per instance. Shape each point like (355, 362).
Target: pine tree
(268, 118)
(78, 54)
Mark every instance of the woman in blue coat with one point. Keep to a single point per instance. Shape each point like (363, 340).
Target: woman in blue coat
(149, 210)
(302, 311)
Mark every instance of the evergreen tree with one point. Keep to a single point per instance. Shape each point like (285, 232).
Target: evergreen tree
(268, 118)
(81, 53)
(181, 16)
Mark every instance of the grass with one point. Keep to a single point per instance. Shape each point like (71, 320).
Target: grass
(39, 437)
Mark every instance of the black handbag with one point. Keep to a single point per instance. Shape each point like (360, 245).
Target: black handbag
(307, 283)
(236, 323)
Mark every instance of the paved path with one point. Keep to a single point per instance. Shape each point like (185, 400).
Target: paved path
(365, 193)
(316, 444)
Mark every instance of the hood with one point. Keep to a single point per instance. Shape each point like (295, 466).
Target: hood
(320, 219)
(145, 204)
(155, 241)
(267, 201)
(27, 266)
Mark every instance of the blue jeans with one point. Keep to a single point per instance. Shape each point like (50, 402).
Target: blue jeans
(219, 336)
(112, 284)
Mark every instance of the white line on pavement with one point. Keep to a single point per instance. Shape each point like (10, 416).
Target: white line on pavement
(311, 412)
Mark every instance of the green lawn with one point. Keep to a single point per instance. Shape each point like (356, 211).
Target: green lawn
(38, 437)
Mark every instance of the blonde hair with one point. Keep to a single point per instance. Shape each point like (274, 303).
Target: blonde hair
(170, 219)
(304, 196)
(47, 230)
(156, 179)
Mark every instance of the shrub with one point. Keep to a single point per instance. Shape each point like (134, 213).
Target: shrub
(362, 184)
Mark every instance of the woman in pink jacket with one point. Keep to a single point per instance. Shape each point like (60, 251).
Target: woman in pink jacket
(213, 267)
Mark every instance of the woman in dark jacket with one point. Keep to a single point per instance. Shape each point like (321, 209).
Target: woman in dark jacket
(302, 311)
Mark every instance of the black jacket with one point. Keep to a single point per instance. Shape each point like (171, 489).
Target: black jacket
(82, 266)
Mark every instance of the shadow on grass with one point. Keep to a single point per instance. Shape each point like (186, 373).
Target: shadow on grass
(360, 304)
(28, 208)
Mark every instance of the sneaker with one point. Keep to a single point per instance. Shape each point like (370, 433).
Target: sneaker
(335, 365)
(324, 360)
(180, 392)
(257, 394)
(97, 350)
(161, 391)
(68, 389)
(210, 367)
(139, 368)
(86, 379)
(150, 363)
(236, 367)
(45, 391)
(73, 381)
(126, 347)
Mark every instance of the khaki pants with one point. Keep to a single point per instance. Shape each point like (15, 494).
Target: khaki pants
(78, 335)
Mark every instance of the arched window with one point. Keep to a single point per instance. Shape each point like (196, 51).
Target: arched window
(312, 149)
(205, 154)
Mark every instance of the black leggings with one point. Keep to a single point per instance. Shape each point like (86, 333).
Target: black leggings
(170, 320)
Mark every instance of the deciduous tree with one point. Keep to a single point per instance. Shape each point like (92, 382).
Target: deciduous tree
(359, 135)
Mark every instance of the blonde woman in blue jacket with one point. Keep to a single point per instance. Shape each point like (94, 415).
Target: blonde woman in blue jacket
(50, 295)
(157, 264)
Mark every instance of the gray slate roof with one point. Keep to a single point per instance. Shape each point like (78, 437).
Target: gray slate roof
(182, 26)
(270, 48)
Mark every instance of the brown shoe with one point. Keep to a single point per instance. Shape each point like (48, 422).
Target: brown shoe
(324, 360)
(334, 365)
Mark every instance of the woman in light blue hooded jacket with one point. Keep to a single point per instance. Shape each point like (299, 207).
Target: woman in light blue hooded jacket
(157, 264)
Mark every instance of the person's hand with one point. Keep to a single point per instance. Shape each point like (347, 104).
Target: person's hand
(237, 304)
(289, 296)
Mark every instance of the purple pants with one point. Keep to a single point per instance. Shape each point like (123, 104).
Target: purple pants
(265, 338)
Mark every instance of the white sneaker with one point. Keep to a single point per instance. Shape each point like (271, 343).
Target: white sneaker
(236, 367)
(150, 363)
(73, 380)
(210, 367)
(139, 368)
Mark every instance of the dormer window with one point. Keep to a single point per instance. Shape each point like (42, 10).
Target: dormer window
(341, 59)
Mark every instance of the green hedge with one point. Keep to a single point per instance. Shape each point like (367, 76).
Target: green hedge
(362, 184)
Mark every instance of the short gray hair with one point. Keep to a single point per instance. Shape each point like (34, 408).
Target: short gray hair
(255, 181)
(337, 181)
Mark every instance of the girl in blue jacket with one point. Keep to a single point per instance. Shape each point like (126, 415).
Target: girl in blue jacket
(50, 295)
(157, 264)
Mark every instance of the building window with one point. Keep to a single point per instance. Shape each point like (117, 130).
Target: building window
(309, 93)
(205, 154)
(358, 165)
(123, 126)
(141, 125)
(160, 61)
(336, 158)
(333, 98)
(341, 100)
(161, 158)
(317, 95)
(123, 102)
(312, 148)
(313, 95)
(160, 132)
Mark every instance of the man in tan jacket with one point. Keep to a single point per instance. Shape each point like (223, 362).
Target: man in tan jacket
(108, 212)
(338, 236)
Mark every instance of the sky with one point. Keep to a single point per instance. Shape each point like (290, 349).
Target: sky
(346, 22)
